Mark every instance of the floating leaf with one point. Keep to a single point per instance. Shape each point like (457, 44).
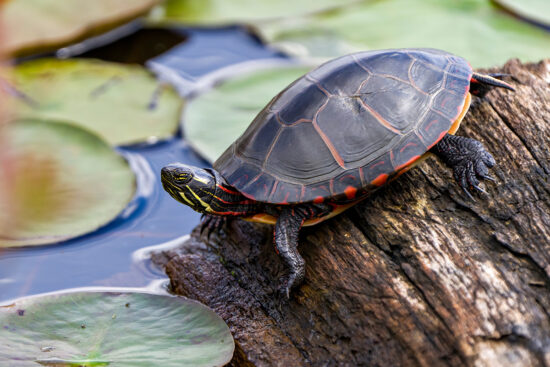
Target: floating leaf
(473, 29)
(215, 119)
(537, 11)
(63, 182)
(112, 329)
(43, 25)
(208, 12)
(123, 104)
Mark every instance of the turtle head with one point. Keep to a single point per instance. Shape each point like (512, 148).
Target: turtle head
(190, 185)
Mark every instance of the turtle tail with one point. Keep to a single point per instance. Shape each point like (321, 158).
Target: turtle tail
(480, 84)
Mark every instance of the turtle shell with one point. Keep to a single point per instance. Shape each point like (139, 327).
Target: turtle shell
(348, 126)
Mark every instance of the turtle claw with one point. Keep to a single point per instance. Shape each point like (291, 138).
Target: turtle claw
(479, 189)
(210, 224)
(467, 192)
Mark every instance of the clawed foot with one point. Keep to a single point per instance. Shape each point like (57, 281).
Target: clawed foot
(473, 167)
(293, 280)
(211, 224)
(468, 158)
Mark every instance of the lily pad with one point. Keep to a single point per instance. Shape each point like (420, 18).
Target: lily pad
(537, 11)
(43, 25)
(124, 104)
(112, 328)
(473, 29)
(62, 182)
(216, 118)
(223, 12)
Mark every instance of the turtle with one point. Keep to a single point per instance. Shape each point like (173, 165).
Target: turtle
(336, 135)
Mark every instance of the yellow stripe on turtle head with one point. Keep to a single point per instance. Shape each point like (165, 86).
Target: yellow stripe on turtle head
(204, 205)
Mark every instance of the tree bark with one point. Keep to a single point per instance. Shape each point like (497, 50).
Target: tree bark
(416, 275)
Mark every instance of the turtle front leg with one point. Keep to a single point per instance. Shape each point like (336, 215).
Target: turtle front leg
(211, 224)
(286, 244)
(468, 158)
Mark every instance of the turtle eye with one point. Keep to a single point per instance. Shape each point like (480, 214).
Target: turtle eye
(183, 178)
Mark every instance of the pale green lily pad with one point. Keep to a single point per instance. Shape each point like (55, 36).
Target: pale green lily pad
(62, 181)
(537, 11)
(473, 29)
(112, 329)
(223, 12)
(36, 26)
(218, 117)
(123, 104)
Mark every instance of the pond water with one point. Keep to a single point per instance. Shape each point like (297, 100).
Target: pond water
(110, 255)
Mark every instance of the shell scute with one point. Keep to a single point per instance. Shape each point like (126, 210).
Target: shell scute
(344, 181)
(292, 109)
(410, 148)
(425, 78)
(456, 84)
(447, 103)
(257, 141)
(381, 165)
(394, 64)
(287, 193)
(396, 102)
(431, 128)
(346, 120)
(343, 79)
(301, 155)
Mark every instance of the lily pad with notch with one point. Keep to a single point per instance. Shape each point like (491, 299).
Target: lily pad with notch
(62, 182)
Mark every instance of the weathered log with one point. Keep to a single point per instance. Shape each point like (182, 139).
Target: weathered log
(416, 275)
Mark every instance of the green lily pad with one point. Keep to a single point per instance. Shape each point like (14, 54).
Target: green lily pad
(62, 181)
(112, 329)
(537, 11)
(223, 12)
(122, 103)
(473, 29)
(216, 118)
(44, 25)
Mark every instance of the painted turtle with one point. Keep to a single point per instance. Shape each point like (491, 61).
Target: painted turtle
(334, 136)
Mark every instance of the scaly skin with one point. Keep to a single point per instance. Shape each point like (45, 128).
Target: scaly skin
(468, 159)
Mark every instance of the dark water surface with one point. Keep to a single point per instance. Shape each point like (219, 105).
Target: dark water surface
(107, 257)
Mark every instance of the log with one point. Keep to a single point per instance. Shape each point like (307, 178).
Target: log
(416, 275)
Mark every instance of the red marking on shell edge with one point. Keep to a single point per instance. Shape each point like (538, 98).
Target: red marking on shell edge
(427, 127)
(409, 144)
(408, 163)
(376, 164)
(380, 180)
(318, 200)
(350, 192)
(285, 200)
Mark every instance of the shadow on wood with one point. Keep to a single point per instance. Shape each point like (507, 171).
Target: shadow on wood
(416, 275)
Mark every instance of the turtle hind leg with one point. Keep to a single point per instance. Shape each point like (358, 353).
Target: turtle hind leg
(468, 158)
